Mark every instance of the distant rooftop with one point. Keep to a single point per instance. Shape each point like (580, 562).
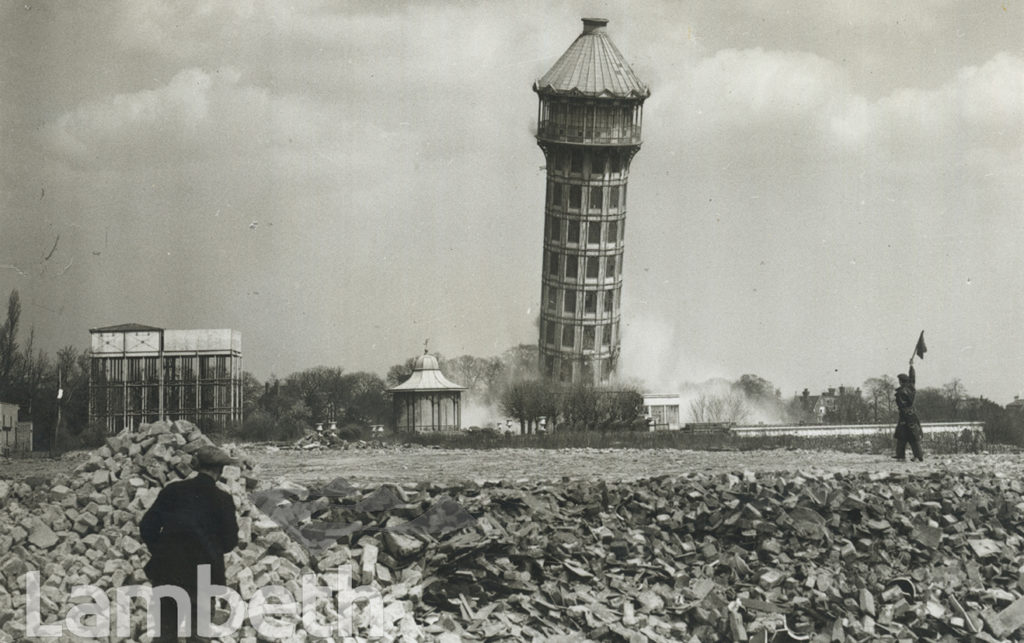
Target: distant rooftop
(592, 66)
(124, 328)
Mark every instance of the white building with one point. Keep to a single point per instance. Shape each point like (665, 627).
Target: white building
(663, 411)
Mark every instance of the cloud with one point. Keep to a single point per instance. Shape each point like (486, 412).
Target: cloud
(735, 92)
(750, 88)
(982, 107)
(201, 115)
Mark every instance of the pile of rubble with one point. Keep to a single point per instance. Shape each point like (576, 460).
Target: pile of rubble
(82, 529)
(328, 441)
(761, 557)
(748, 557)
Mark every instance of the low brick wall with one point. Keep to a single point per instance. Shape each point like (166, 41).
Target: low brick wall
(825, 430)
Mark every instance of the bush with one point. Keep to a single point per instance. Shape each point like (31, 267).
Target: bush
(353, 432)
(90, 437)
(261, 426)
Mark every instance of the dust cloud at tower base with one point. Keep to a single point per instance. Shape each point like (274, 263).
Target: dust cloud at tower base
(588, 125)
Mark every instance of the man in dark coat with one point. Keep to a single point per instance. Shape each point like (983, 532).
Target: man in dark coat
(191, 523)
(908, 429)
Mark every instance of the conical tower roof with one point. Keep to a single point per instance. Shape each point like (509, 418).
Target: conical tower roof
(592, 66)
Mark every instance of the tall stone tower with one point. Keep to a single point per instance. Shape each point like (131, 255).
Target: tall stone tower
(588, 124)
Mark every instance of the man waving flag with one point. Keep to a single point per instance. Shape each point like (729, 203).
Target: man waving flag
(908, 428)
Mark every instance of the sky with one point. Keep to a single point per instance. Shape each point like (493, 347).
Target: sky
(341, 181)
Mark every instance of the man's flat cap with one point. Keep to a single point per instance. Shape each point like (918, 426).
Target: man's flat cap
(211, 457)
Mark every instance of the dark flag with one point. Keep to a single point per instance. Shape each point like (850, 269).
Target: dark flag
(921, 349)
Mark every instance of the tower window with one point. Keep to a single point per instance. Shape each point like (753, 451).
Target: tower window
(596, 198)
(588, 338)
(573, 235)
(576, 166)
(594, 233)
(590, 301)
(609, 301)
(549, 332)
(556, 194)
(575, 124)
(593, 267)
(565, 371)
(613, 198)
(556, 229)
(575, 196)
(553, 260)
(597, 163)
(568, 335)
(572, 266)
(613, 231)
(549, 365)
(552, 302)
(569, 305)
(616, 164)
(606, 335)
(610, 271)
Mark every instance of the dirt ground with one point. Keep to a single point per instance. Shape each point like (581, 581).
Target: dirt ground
(418, 464)
(422, 464)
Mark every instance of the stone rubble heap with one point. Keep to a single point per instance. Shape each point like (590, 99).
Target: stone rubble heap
(749, 557)
(809, 556)
(82, 529)
(707, 557)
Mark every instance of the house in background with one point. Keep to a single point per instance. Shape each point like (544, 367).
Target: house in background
(662, 411)
(15, 437)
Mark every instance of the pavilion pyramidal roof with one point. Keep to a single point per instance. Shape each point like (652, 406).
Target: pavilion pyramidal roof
(427, 376)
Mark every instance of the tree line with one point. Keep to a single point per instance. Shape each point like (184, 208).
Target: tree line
(285, 408)
(32, 379)
(752, 397)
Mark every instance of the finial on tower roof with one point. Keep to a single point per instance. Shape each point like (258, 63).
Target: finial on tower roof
(591, 25)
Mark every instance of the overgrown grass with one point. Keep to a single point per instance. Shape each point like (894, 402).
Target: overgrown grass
(944, 443)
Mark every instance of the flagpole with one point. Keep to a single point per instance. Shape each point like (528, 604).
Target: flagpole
(917, 346)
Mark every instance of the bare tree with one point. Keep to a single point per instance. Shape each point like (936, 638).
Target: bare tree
(728, 407)
(955, 394)
(9, 342)
(32, 368)
(880, 393)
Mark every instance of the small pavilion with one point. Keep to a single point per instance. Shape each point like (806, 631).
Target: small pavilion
(427, 401)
